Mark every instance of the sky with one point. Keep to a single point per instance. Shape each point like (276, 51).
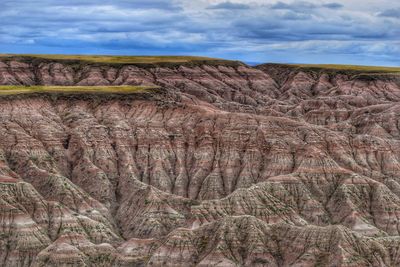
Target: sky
(362, 32)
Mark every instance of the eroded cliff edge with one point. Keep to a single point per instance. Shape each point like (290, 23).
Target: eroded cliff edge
(223, 165)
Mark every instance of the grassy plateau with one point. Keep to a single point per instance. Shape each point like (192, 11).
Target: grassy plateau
(115, 59)
(18, 89)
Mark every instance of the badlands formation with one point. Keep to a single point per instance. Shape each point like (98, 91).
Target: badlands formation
(215, 164)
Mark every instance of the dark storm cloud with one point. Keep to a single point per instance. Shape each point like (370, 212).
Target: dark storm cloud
(303, 6)
(333, 5)
(295, 6)
(229, 5)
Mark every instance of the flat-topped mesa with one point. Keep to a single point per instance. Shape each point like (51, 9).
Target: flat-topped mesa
(96, 70)
(331, 68)
(196, 163)
(91, 70)
(37, 58)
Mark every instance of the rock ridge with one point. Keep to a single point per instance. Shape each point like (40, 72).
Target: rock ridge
(221, 165)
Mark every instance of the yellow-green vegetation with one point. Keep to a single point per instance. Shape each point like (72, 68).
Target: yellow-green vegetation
(116, 59)
(356, 68)
(18, 89)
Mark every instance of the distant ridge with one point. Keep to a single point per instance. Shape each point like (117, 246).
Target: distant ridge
(108, 59)
(336, 67)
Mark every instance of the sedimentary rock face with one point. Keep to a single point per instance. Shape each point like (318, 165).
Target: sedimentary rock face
(222, 165)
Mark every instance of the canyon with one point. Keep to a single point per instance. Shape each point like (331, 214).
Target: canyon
(217, 163)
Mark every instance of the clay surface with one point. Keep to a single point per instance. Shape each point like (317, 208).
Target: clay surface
(224, 165)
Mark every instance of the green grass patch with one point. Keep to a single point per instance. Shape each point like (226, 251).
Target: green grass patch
(116, 59)
(18, 89)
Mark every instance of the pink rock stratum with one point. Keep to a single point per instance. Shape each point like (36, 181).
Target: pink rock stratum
(223, 165)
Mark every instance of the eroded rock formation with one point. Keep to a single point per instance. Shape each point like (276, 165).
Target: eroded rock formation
(223, 165)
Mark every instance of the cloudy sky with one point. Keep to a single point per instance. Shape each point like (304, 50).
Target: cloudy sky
(310, 31)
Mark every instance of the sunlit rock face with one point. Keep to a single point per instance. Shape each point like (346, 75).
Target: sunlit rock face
(223, 165)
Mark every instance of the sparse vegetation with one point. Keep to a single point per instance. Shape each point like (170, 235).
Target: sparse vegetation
(115, 59)
(356, 68)
(17, 89)
(33, 157)
(80, 61)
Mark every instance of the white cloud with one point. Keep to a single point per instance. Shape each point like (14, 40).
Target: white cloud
(221, 28)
